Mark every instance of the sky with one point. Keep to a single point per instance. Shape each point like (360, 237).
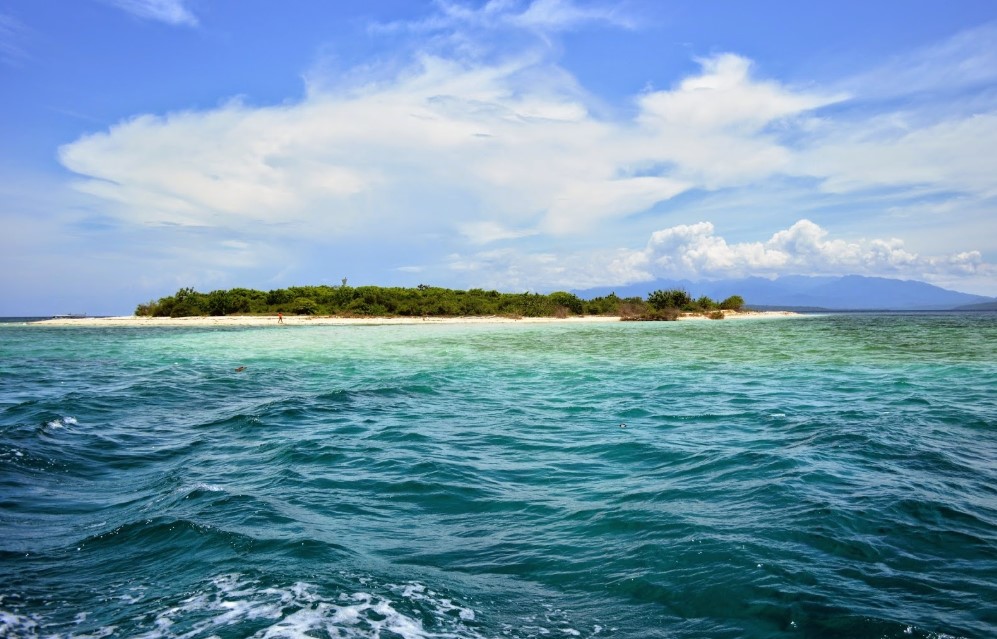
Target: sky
(518, 145)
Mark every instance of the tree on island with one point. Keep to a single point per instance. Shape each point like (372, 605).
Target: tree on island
(732, 303)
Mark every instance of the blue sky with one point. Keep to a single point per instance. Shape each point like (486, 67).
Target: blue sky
(149, 145)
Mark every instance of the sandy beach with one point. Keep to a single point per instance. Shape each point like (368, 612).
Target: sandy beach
(130, 321)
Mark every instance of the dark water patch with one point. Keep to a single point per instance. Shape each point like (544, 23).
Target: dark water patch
(309, 455)
(941, 528)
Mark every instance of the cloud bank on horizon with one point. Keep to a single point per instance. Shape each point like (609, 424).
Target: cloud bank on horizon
(473, 136)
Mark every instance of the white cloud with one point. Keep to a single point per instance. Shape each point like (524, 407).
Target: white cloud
(221, 168)
(951, 155)
(560, 15)
(515, 141)
(488, 232)
(926, 119)
(714, 127)
(173, 12)
(696, 252)
(965, 60)
(725, 97)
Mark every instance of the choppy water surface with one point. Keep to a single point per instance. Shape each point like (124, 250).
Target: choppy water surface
(815, 477)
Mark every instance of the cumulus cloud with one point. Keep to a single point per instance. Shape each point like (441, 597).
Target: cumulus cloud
(174, 12)
(696, 252)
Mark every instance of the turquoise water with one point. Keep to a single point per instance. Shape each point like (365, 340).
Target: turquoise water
(826, 476)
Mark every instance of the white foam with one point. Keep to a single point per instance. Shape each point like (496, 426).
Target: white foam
(15, 625)
(62, 422)
(418, 592)
(234, 599)
(554, 620)
(229, 604)
(210, 488)
(107, 631)
(29, 627)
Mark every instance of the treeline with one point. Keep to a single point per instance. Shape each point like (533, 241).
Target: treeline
(378, 301)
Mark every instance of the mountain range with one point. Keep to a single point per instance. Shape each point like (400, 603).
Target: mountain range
(848, 292)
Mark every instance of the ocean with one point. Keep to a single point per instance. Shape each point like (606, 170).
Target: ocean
(819, 476)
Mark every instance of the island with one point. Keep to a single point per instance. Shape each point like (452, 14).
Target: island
(430, 301)
(329, 305)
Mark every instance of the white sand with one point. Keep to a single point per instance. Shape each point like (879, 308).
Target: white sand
(303, 320)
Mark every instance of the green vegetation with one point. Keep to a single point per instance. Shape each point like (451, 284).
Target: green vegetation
(377, 301)
(665, 306)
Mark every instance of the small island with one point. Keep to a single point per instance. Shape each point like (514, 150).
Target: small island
(431, 302)
(376, 305)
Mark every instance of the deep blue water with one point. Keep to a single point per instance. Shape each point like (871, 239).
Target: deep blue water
(830, 476)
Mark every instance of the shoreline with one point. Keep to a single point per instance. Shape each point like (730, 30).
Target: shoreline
(131, 321)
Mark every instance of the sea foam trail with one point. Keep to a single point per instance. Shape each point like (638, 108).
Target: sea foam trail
(235, 605)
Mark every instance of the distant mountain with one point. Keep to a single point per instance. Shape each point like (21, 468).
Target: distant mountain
(984, 306)
(849, 292)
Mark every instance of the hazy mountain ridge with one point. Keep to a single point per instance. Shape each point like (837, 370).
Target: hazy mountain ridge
(983, 306)
(849, 292)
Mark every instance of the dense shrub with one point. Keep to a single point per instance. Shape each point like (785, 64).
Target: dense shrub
(304, 306)
(675, 298)
(732, 303)
(607, 305)
(570, 301)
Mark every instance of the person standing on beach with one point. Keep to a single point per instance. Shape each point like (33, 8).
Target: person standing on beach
(280, 317)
